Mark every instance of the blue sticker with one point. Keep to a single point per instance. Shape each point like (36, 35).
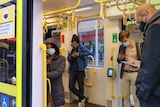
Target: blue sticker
(5, 101)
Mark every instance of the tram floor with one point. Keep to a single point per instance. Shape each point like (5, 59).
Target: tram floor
(74, 104)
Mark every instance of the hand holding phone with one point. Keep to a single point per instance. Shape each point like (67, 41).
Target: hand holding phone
(122, 56)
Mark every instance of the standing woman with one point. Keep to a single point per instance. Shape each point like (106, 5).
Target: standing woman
(55, 66)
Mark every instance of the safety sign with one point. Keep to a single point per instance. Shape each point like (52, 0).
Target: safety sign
(5, 101)
(7, 22)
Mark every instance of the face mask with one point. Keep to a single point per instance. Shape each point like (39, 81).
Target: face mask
(126, 44)
(51, 51)
(142, 26)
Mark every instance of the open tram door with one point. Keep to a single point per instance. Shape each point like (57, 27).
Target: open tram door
(21, 66)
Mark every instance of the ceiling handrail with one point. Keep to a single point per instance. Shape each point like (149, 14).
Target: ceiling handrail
(101, 1)
(63, 10)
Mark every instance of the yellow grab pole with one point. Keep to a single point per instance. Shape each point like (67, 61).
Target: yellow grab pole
(49, 85)
(43, 47)
(112, 84)
(101, 1)
(19, 33)
(135, 2)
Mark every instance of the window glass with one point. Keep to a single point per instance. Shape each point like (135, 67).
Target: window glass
(92, 37)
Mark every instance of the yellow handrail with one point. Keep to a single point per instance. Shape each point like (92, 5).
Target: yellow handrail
(89, 16)
(49, 85)
(63, 10)
(45, 29)
(117, 5)
(44, 49)
(93, 72)
(101, 1)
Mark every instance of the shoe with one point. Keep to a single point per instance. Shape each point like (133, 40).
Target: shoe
(84, 101)
(79, 104)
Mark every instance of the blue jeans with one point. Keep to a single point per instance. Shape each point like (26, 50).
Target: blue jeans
(79, 78)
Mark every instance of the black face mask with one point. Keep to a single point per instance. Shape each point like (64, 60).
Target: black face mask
(142, 26)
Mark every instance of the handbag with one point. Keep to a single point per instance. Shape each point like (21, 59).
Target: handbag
(50, 102)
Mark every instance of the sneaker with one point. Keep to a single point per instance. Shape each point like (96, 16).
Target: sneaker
(79, 104)
(84, 101)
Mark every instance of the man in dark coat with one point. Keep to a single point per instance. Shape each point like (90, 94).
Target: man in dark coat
(148, 80)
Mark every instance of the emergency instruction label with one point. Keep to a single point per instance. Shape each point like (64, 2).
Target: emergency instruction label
(6, 29)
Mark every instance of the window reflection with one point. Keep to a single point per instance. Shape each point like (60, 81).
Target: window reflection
(7, 60)
(93, 38)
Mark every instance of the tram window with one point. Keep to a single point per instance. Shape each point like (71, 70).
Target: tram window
(93, 38)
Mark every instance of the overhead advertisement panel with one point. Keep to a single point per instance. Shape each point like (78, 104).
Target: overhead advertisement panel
(7, 22)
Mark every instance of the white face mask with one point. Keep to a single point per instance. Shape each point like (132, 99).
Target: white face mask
(51, 51)
(126, 44)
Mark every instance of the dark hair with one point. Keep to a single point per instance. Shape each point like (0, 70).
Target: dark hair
(123, 34)
(75, 38)
(55, 47)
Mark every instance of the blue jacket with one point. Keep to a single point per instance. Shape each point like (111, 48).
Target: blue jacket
(148, 80)
(81, 64)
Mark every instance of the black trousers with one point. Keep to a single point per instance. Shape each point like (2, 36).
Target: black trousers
(79, 78)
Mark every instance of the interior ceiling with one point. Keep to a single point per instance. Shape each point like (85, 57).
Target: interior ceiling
(52, 5)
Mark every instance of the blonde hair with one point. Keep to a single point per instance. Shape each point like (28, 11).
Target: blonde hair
(144, 7)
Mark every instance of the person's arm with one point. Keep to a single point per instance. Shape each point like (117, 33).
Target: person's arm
(59, 70)
(84, 51)
(121, 54)
(70, 57)
(149, 74)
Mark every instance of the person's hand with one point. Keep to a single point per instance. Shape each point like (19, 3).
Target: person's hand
(137, 63)
(121, 56)
(75, 54)
(48, 61)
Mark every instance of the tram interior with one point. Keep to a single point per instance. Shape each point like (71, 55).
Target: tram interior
(97, 23)
(85, 18)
